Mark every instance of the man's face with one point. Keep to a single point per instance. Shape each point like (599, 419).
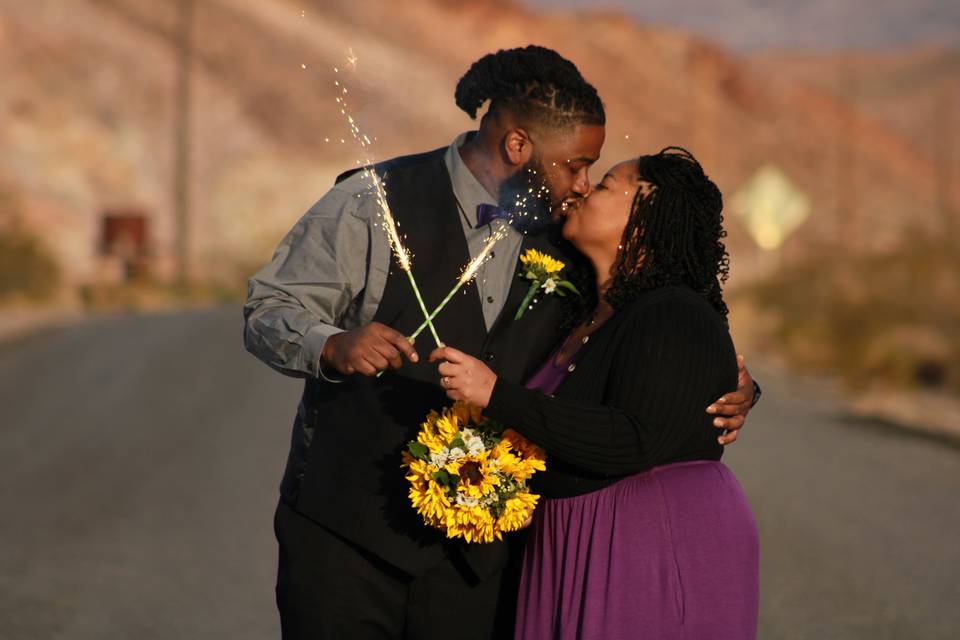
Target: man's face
(567, 160)
(555, 178)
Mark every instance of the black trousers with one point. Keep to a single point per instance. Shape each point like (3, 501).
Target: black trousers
(328, 588)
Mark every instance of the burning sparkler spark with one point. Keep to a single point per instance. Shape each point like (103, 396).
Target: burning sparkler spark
(468, 273)
(389, 223)
(390, 226)
(474, 265)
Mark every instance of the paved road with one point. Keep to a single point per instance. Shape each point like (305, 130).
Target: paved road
(139, 458)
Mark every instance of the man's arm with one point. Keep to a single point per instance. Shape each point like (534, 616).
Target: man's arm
(295, 302)
(302, 316)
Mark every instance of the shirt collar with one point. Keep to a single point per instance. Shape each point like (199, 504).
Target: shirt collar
(466, 188)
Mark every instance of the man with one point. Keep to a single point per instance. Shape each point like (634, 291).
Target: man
(355, 561)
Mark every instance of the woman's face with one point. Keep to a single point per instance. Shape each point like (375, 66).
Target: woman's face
(597, 224)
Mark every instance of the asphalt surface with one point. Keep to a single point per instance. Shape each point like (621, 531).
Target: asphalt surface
(139, 459)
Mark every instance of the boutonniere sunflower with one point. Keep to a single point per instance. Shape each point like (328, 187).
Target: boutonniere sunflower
(543, 271)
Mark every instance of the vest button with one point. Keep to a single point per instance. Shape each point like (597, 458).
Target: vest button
(490, 299)
(488, 356)
(571, 368)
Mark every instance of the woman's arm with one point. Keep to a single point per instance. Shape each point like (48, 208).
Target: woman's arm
(662, 374)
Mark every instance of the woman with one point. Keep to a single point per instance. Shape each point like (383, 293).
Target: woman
(642, 532)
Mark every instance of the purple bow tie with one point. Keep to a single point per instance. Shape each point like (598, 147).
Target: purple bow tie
(487, 213)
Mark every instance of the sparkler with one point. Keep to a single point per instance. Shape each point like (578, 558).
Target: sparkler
(474, 265)
(468, 273)
(390, 225)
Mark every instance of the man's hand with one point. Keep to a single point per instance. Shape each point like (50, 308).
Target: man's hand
(464, 377)
(367, 350)
(732, 409)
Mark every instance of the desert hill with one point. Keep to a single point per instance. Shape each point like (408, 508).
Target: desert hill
(88, 102)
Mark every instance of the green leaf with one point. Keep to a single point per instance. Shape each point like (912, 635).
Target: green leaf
(419, 451)
(442, 477)
(566, 284)
(490, 430)
(457, 443)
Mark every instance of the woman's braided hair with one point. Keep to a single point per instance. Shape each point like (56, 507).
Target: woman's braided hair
(674, 233)
(537, 83)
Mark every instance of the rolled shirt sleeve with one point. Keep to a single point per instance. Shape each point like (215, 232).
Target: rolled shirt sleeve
(326, 276)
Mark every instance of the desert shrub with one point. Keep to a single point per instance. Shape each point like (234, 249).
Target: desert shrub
(27, 269)
(891, 318)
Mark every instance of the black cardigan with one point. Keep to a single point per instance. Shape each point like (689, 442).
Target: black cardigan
(636, 398)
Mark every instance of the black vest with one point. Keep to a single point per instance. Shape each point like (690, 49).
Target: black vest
(344, 465)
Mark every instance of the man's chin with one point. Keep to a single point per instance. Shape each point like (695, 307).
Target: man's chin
(533, 223)
(564, 209)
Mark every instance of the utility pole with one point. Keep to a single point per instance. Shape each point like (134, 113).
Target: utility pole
(847, 165)
(943, 166)
(181, 173)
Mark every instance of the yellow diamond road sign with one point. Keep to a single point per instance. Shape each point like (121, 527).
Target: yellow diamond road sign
(771, 207)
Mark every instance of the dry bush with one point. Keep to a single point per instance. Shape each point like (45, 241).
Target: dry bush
(882, 319)
(28, 271)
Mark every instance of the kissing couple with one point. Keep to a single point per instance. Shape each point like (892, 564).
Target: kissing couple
(632, 388)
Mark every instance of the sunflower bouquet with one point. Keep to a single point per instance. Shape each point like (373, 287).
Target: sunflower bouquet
(468, 474)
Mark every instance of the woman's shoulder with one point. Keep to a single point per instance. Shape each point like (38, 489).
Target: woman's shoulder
(671, 315)
(673, 299)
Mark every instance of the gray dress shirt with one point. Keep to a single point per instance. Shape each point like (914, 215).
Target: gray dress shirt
(329, 272)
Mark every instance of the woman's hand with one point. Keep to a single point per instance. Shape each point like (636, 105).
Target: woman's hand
(464, 377)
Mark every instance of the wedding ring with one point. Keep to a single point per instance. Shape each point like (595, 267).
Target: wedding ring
(444, 382)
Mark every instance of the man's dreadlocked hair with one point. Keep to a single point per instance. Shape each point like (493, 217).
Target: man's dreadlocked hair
(537, 83)
(673, 235)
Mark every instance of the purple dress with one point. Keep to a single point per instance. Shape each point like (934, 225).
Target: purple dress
(667, 554)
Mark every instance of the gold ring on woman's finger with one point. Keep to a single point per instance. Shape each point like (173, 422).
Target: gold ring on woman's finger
(445, 382)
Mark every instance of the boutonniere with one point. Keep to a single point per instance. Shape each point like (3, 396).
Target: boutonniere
(543, 272)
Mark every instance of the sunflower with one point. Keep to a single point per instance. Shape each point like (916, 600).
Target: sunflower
(516, 510)
(473, 524)
(429, 436)
(457, 457)
(503, 453)
(466, 413)
(447, 426)
(529, 458)
(477, 478)
(427, 496)
(533, 259)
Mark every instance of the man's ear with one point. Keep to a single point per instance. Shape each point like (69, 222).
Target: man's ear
(517, 147)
